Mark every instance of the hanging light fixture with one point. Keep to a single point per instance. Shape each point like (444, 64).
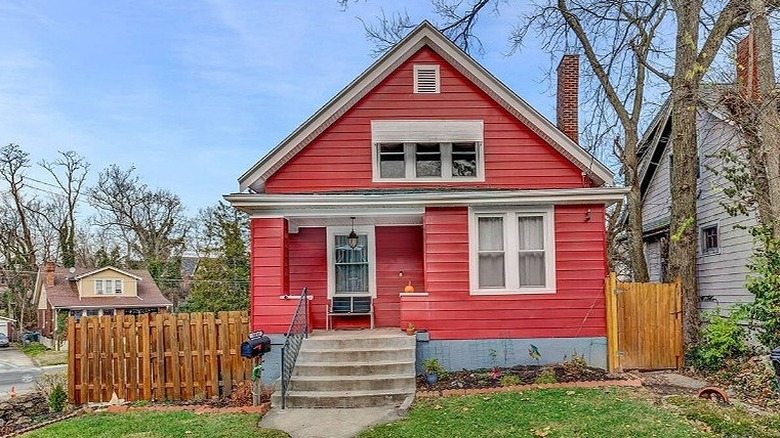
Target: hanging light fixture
(352, 239)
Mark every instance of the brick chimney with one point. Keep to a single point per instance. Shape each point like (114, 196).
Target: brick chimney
(747, 68)
(568, 96)
(49, 269)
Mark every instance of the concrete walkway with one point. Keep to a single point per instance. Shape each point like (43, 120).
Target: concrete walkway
(327, 423)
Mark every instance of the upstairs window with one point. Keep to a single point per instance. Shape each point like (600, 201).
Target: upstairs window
(423, 151)
(109, 287)
(426, 79)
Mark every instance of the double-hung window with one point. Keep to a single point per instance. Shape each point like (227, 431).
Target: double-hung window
(513, 251)
(427, 150)
(709, 239)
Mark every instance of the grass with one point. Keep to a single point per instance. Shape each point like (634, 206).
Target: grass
(42, 356)
(157, 425)
(727, 421)
(540, 413)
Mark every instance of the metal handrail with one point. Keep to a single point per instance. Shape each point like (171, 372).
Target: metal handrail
(296, 333)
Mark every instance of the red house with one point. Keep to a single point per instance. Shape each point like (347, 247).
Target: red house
(453, 184)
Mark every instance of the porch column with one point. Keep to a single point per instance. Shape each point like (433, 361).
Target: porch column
(269, 276)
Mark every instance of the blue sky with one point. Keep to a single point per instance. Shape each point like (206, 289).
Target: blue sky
(192, 93)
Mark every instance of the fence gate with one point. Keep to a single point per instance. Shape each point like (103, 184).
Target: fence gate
(644, 325)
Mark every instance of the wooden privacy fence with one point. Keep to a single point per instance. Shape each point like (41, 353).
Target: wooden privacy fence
(157, 356)
(644, 325)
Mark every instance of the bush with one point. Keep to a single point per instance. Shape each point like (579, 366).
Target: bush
(432, 366)
(546, 376)
(58, 399)
(720, 339)
(509, 380)
(574, 364)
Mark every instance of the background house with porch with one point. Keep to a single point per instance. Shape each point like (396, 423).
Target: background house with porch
(94, 291)
(445, 179)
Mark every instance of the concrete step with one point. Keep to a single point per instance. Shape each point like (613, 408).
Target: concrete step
(401, 382)
(340, 399)
(354, 354)
(381, 367)
(370, 341)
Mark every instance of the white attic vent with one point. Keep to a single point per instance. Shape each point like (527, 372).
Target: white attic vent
(426, 78)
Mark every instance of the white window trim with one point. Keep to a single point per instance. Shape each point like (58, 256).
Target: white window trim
(344, 230)
(511, 250)
(710, 252)
(434, 67)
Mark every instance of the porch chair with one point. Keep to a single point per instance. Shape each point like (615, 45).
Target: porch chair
(349, 306)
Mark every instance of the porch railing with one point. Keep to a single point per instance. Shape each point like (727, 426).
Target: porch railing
(296, 333)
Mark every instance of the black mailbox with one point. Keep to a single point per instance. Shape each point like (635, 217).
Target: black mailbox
(775, 358)
(257, 345)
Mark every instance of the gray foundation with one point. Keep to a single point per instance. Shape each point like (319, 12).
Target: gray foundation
(474, 354)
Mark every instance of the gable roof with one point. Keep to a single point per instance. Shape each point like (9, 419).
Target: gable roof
(106, 268)
(64, 293)
(423, 35)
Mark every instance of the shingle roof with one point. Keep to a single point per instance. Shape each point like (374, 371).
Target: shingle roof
(64, 292)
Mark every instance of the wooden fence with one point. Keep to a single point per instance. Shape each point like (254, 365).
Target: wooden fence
(156, 357)
(644, 325)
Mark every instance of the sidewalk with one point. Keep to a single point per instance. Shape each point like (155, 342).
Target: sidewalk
(327, 423)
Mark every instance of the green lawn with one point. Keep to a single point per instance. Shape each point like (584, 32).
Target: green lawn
(540, 413)
(157, 425)
(43, 356)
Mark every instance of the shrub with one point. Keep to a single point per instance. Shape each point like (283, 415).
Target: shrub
(574, 364)
(432, 366)
(720, 339)
(510, 380)
(546, 376)
(47, 382)
(58, 399)
(764, 284)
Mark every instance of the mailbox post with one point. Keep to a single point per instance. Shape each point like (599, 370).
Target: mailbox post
(253, 348)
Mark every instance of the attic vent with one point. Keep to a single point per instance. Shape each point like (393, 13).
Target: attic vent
(426, 78)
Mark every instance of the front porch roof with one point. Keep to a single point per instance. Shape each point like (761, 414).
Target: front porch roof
(286, 204)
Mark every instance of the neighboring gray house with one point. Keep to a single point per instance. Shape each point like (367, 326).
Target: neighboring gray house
(725, 244)
(724, 241)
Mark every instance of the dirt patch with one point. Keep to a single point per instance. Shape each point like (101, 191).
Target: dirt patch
(517, 375)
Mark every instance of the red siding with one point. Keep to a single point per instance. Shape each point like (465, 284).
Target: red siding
(269, 276)
(340, 158)
(399, 248)
(575, 310)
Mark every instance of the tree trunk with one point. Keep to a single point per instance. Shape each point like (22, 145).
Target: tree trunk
(683, 231)
(635, 232)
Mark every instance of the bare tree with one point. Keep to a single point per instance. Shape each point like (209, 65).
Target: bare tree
(151, 222)
(14, 162)
(691, 63)
(69, 173)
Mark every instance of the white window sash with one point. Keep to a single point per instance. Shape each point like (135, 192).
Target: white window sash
(99, 287)
(512, 250)
(443, 132)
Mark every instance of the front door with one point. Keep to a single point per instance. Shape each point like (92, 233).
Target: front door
(351, 269)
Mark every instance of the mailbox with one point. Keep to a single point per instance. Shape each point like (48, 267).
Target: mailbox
(257, 345)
